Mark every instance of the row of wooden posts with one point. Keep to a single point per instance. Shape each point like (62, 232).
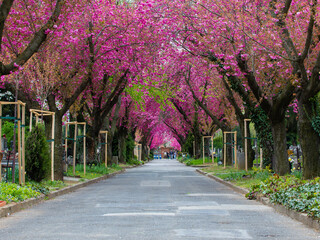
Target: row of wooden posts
(233, 145)
(21, 108)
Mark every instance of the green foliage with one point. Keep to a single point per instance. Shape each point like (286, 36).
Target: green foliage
(11, 192)
(218, 141)
(292, 192)
(130, 144)
(316, 124)
(315, 119)
(134, 161)
(37, 155)
(7, 129)
(188, 145)
(264, 133)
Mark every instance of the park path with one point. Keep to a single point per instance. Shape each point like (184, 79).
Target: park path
(162, 200)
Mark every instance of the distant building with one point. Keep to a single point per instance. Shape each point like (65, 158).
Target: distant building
(164, 150)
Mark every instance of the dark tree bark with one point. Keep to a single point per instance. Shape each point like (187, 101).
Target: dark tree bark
(99, 114)
(122, 136)
(309, 141)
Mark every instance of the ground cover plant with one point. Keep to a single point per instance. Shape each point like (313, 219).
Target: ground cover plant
(291, 192)
(12, 192)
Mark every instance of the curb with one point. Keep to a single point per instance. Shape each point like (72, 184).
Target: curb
(298, 216)
(11, 208)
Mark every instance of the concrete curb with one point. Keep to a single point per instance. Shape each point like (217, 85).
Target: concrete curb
(11, 208)
(298, 216)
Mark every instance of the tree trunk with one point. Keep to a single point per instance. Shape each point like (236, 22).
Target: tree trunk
(309, 140)
(229, 149)
(58, 148)
(122, 135)
(280, 161)
(109, 146)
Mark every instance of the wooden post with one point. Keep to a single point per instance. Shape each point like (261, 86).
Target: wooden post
(84, 149)
(106, 150)
(1, 141)
(261, 159)
(212, 150)
(30, 125)
(23, 144)
(246, 144)
(203, 150)
(52, 147)
(194, 148)
(75, 149)
(19, 143)
(235, 149)
(225, 149)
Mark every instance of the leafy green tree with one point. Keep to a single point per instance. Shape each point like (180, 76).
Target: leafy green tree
(37, 155)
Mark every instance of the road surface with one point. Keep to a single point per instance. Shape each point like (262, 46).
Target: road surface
(162, 200)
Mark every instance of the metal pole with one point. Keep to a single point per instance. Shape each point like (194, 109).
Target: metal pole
(66, 144)
(203, 150)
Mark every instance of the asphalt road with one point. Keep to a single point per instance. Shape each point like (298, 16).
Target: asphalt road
(163, 200)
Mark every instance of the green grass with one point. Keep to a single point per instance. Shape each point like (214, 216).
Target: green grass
(194, 162)
(240, 178)
(93, 171)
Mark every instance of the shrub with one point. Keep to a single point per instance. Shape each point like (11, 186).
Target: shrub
(37, 155)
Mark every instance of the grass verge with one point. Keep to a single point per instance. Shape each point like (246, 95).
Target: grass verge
(92, 171)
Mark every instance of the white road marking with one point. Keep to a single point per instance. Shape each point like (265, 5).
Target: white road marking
(212, 195)
(228, 207)
(155, 184)
(213, 234)
(136, 214)
(179, 176)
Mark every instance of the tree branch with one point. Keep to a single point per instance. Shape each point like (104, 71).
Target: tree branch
(34, 44)
(4, 12)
